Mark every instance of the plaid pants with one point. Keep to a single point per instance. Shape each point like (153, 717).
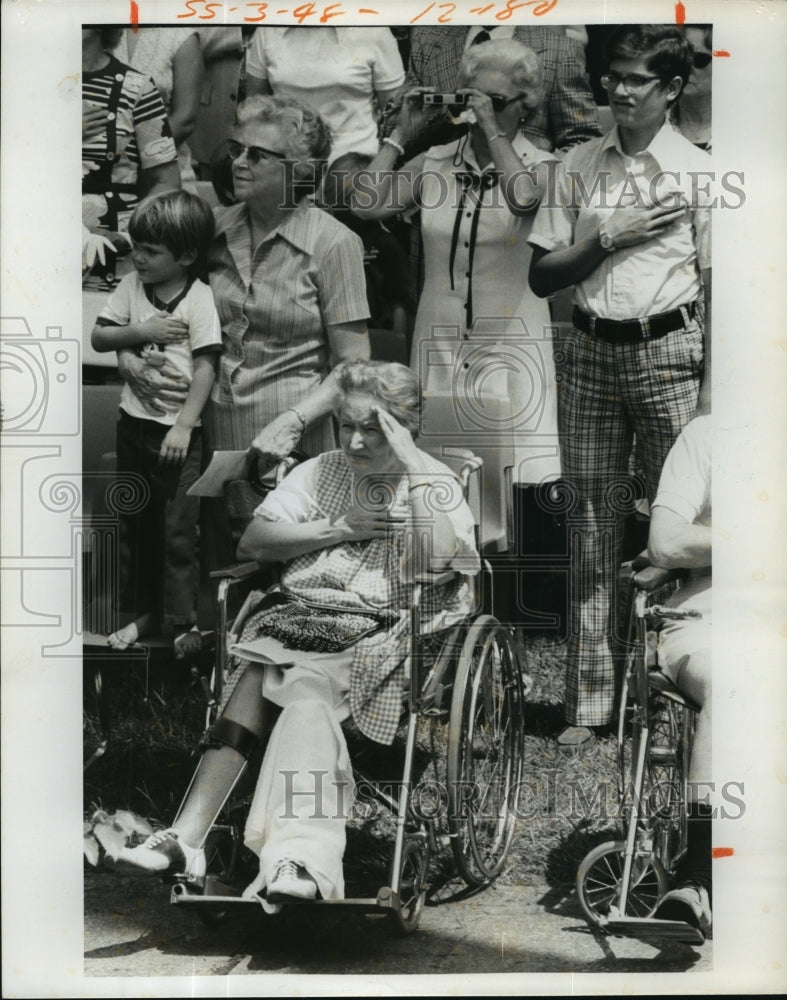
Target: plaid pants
(606, 394)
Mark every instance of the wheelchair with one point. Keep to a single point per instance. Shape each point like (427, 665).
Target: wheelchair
(453, 805)
(620, 883)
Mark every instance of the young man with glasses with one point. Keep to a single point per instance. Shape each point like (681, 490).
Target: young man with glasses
(628, 225)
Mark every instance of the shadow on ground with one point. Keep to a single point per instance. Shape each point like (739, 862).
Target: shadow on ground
(132, 930)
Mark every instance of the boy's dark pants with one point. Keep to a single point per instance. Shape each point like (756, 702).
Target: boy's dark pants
(158, 540)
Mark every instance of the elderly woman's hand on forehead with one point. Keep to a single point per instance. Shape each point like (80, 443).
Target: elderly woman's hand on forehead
(399, 438)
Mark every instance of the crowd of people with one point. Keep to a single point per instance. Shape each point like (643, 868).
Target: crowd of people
(253, 202)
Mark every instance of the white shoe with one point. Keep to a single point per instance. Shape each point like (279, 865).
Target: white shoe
(165, 853)
(292, 881)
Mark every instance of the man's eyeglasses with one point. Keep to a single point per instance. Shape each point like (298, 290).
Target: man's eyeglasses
(253, 153)
(701, 59)
(631, 82)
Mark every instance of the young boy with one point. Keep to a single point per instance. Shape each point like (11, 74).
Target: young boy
(162, 307)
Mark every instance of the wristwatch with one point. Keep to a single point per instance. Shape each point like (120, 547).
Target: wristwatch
(605, 239)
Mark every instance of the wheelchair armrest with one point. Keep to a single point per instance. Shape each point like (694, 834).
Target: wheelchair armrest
(653, 578)
(646, 577)
(435, 579)
(460, 566)
(241, 571)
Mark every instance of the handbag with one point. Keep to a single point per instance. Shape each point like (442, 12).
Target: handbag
(309, 627)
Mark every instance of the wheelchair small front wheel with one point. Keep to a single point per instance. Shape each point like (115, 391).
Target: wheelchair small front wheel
(412, 886)
(600, 882)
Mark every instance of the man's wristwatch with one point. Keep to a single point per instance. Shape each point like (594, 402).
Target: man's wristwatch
(605, 239)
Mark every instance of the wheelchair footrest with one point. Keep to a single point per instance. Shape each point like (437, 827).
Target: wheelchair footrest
(647, 928)
(216, 895)
(203, 889)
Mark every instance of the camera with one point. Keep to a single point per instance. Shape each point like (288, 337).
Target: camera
(446, 100)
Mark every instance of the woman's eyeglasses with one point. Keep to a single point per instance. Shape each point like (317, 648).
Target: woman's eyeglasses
(701, 59)
(631, 81)
(499, 103)
(253, 153)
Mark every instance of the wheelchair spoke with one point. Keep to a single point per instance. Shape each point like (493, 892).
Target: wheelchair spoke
(600, 882)
(486, 762)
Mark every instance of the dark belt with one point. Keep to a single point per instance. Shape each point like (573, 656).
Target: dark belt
(631, 331)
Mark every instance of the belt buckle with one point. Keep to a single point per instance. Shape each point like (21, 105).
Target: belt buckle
(592, 324)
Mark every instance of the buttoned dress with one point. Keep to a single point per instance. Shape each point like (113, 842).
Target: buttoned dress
(275, 303)
(482, 343)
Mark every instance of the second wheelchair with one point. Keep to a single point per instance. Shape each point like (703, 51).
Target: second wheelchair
(620, 883)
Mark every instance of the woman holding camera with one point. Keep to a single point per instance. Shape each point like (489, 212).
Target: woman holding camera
(482, 342)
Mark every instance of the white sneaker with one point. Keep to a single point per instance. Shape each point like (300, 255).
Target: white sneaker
(165, 853)
(292, 881)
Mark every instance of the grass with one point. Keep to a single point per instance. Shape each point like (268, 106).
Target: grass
(567, 802)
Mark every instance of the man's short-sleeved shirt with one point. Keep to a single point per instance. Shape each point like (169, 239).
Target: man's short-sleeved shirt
(685, 483)
(595, 178)
(685, 489)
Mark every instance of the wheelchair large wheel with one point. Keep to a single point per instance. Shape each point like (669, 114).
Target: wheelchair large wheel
(661, 769)
(600, 877)
(669, 752)
(485, 751)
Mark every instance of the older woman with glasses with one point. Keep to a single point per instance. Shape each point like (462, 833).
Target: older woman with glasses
(481, 343)
(289, 287)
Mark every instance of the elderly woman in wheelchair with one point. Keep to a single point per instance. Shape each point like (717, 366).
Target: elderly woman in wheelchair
(354, 529)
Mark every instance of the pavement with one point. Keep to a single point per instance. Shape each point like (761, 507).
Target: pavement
(131, 929)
